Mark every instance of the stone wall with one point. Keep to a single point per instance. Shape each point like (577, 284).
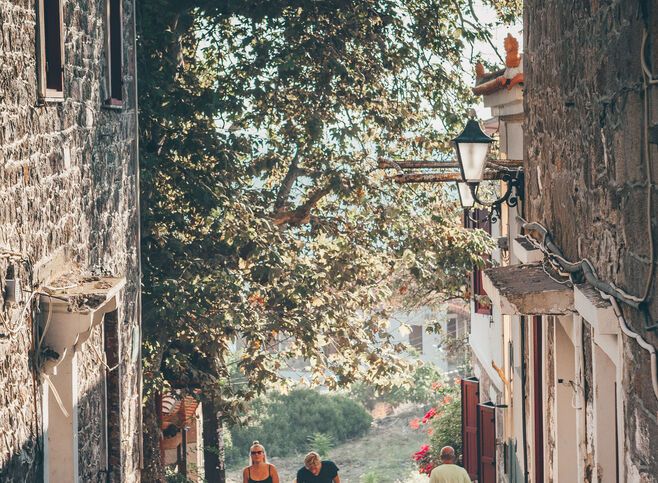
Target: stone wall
(68, 201)
(587, 176)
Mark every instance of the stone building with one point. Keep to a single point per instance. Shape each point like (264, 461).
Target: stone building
(69, 242)
(576, 397)
(590, 105)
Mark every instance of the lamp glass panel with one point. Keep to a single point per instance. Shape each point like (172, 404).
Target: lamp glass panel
(473, 157)
(465, 195)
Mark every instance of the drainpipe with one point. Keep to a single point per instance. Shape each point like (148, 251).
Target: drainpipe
(581, 416)
(183, 469)
(140, 382)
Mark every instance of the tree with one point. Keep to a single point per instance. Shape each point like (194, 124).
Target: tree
(264, 217)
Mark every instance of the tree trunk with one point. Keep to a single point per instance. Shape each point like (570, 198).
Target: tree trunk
(213, 443)
(153, 469)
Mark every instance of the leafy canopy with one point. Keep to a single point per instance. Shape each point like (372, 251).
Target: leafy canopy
(265, 219)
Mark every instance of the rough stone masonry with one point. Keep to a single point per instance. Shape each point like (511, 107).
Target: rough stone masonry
(68, 203)
(587, 177)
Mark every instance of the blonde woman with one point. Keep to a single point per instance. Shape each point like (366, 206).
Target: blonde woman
(259, 470)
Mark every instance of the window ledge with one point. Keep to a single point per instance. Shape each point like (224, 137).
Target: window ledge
(74, 305)
(113, 105)
(51, 99)
(527, 290)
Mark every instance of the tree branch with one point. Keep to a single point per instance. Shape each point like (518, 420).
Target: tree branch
(302, 214)
(288, 182)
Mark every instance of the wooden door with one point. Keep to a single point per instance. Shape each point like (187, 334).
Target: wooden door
(470, 389)
(487, 443)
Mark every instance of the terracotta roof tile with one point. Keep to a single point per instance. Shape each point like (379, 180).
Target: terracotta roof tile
(490, 82)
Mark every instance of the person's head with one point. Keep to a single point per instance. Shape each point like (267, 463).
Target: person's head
(313, 463)
(257, 453)
(447, 455)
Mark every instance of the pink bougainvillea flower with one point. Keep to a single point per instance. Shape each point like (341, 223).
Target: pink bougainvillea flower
(447, 399)
(421, 453)
(430, 431)
(429, 415)
(414, 423)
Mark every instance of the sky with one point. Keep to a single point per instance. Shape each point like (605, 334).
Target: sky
(486, 14)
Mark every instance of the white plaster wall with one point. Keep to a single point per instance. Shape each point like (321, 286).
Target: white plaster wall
(566, 402)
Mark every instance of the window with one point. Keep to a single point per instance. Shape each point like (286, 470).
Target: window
(479, 293)
(114, 47)
(51, 50)
(451, 329)
(416, 337)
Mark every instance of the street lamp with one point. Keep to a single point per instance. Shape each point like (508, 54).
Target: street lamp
(472, 146)
(465, 195)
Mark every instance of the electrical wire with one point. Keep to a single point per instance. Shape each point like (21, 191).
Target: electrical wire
(46, 326)
(606, 290)
(11, 330)
(648, 79)
(101, 360)
(583, 266)
(16, 326)
(643, 343)
(56, 394)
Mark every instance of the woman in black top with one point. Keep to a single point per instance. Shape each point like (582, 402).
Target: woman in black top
(259, 470)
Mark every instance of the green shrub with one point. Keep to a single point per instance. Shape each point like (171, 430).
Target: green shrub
(448, 428)
(173, 476)
(321, 443)
(287, 421)
(442, 423)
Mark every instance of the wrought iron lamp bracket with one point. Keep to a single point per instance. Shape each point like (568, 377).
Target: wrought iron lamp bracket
(513, 193)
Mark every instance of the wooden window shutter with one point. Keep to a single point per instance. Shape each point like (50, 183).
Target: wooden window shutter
(487, 443)
(470, 389)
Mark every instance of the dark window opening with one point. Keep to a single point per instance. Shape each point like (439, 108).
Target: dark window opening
(452, 327)
(416, 337)
(111, 346)
(115, 47)
(52, 47)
